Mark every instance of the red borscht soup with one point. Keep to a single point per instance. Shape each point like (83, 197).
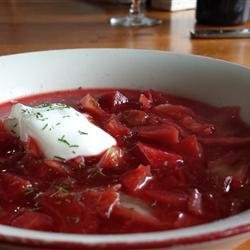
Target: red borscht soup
(176, 163)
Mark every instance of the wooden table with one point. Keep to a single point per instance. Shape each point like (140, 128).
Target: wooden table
(28, 25)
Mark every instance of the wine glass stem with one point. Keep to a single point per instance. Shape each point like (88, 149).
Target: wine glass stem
(135, 8)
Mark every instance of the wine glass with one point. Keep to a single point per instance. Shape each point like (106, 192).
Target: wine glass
(135, 17)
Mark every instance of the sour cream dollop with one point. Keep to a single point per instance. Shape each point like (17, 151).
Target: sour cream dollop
(59, 130)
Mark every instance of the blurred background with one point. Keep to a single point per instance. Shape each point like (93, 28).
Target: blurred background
(29, 25)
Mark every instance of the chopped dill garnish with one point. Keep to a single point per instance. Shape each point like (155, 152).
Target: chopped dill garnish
(44, 105)
(58, 123)
(63, 105)
(38, 115)
(45, 126)
(42, 119)
(63, 140)
(61, 188)
(37, 195)
(100, 172)
(73, 219)
(53, 106)
(15, 125)
(59, 158)
(35, 208)
(82, 133)
(52, 127)
(82, 162)
(154, 204)
(66, 116)
(28, 190)
(96, 172)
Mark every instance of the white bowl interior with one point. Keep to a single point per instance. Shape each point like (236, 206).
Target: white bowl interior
(201, 78)
(212, 81)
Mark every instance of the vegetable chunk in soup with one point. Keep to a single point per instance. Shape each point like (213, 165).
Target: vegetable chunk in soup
(100, 161)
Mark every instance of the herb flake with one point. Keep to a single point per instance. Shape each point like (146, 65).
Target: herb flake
(45, 126)
(59, 158)
(82, 133)
(28, 190)
(63, 140)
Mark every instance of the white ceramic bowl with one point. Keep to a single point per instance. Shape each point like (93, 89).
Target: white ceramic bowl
(213, 81)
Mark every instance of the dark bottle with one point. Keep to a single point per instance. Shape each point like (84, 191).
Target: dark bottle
(222, 12)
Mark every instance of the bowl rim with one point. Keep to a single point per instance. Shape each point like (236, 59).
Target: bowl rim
(168, 238)
(231, 226)
(123, 50)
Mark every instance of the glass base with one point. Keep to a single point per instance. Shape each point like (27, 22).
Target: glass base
(134, 21)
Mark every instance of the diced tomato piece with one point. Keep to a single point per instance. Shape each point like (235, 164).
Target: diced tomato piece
(190, 147)
(226, 115)
(112, 99)
(112, 158)
(158, 158)
(235, 204)
(195, 203)
(163, 134)
(239, 176)
(107, 202)
(135, 117)
(103, 201)
(229, 171)
(77, 162)
(8, 142)
(153, 119)
(226, 159)
(2, 194)
(156, 97)
(116, 128)
(2, 127)
(135, 211)
(202, 129)
(186, 220)
(182, 131)
(8, 212)
(90, 105)
(170, 198)
(70, 214)
(136, 179)
(33, 220)
(3, 132)
(146, 103)
(57, 167)
(14, 186)
(174, 111)
(32, 148)
(43, 170)
(210, 206)
(230, 112)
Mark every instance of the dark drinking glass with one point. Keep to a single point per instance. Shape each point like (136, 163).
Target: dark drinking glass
(222, 12)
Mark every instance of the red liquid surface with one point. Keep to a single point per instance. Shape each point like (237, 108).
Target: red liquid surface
(177, 163)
